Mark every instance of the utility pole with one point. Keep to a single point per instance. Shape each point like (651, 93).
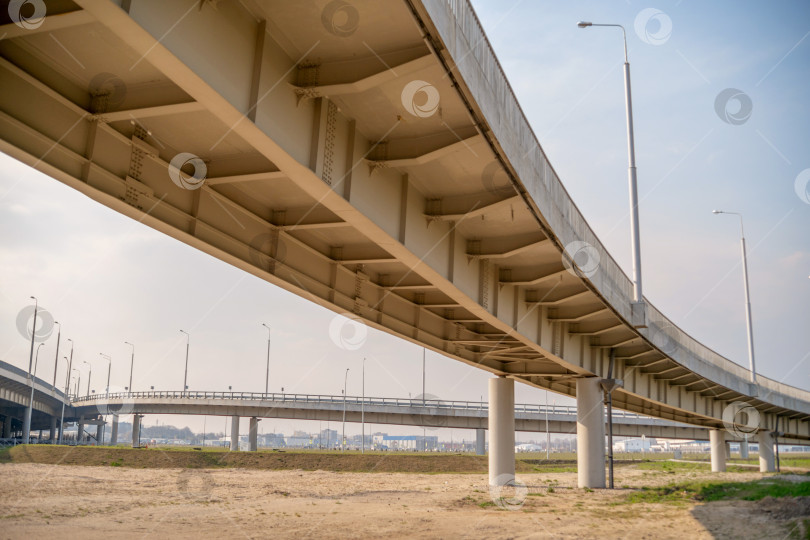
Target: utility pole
(56, 357)
(267, 375)
(30, 410)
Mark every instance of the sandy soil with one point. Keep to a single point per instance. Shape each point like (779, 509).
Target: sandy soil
(38, 500)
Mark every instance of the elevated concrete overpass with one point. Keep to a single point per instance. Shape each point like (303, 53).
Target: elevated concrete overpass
(430, 413)
(371, 157)
(15, 393)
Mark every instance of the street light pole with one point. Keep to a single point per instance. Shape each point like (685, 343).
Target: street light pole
(67, 391)
(56, 357)
(749, 323)
(185, 374)
(363, 412)
(109, 369)
(267, 375)
(89, 375)
(131, 363)
(30, 410)
(343, 442)
(638, 308)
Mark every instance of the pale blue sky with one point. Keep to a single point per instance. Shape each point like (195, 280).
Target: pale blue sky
(110, 279)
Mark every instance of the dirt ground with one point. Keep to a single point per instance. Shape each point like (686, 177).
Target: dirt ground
(73, 501)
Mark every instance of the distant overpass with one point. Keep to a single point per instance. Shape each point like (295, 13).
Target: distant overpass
(431, 413)
(369, 156)
(96, 409)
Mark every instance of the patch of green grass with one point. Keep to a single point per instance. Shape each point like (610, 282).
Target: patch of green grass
(486, 504)
(715, 491)
(115, 463)
(677, 466)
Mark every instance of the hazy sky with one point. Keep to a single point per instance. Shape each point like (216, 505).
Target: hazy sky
(109, 279)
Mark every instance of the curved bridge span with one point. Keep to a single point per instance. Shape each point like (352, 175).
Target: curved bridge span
(379, 166)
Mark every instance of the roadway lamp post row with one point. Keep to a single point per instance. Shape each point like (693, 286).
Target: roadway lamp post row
(749, 324)
(638, 308)
(638, 311)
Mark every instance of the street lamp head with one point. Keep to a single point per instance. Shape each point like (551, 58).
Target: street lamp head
(584, 24)
(717, 211)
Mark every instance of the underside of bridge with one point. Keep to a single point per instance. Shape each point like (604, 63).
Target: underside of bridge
(368, 156)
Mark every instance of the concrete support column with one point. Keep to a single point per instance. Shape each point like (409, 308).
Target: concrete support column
(53, 430)
(80, 431)
(7, 427)
(767, 459)
(728, 450)
(590, 434)
(480, 442)
(254, 434)
(234, 433)
(100, 434)
(744, 449)
(717, 443)
(136, 430)
(114, 431)
(501, 431)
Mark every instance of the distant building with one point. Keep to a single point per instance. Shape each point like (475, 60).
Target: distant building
(634, 445)
(383, 441)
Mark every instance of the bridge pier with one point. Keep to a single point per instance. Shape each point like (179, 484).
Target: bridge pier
(590, 434)
(744, 448)
(136, 430)
(80, 431)
(99, 434)
(501, 431)
(717, 444)
(114, 431)
(480, 442)
(7, 427)
(254, 434)
(234, 433)
(52, 437)
(728, 450)
(767, 462)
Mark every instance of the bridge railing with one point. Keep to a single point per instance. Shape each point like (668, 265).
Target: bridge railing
(325, 399)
